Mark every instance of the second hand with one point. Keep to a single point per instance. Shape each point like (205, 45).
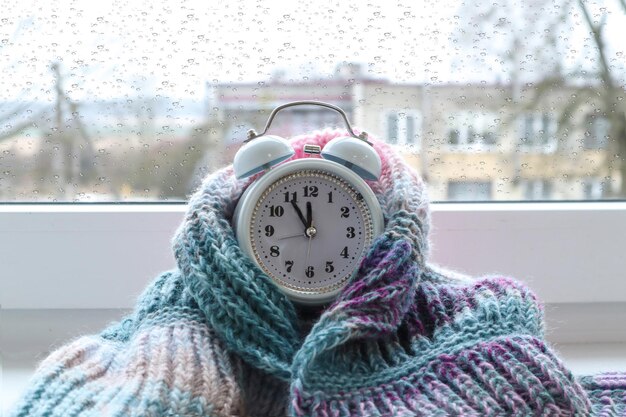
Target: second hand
(308, 249)
(290, 236)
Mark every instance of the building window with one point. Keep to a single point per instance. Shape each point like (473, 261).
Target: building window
(469, 190)
(403, 127)
(594, 189)
(596, 132)
(538, 131)
(472, 132)
(537, 189)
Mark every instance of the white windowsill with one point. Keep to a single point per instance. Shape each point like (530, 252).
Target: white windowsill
(103, 255)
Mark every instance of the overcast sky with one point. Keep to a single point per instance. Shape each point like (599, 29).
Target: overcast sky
(123, 49)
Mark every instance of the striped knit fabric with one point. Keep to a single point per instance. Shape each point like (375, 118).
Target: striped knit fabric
(215, 337)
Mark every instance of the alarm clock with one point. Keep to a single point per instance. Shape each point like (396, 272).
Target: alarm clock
(307, 222)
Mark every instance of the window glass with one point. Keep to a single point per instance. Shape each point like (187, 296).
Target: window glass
(594, 188)
(404, 128)
(538, 131)
(537, 189)
(138, 102)
(393, 128)
(597, 132)
(470, 131)
(469, 190)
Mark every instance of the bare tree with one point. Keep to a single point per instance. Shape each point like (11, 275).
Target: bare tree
(609, 89)
(73, 163)
(79, 146)
(530, 43)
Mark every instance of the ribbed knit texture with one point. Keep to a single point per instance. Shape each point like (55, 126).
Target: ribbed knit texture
(215, 337)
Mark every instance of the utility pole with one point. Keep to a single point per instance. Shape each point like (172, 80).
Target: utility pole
(62, 159)
(66, 162)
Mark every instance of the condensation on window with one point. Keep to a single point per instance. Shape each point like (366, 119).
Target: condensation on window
(138, 102)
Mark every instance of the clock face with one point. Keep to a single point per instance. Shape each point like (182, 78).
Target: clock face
(309, 230)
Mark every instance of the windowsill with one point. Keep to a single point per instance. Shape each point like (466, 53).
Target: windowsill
(108, 252)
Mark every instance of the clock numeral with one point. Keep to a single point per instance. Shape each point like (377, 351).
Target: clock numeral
(350, 233)
(329, 267)
(344, 252)
(345, 211)
(269, 230)
(276, 211)
(330, 197)
(288, 265)
(310, 191)
(274, 251)
(293, 195)
(310, 272)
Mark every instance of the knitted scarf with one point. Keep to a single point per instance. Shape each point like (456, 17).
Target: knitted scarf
(215, 336)
(255, 319)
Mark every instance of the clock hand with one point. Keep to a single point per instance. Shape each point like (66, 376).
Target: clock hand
(309, 215)
(290, 236)
(308, 250)
(299, 212)
(310, 230)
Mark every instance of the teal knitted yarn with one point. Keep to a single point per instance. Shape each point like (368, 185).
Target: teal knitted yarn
(214, 336)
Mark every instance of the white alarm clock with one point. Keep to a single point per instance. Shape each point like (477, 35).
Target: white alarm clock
(307, 223)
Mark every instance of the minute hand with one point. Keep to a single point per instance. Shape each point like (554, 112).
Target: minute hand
(309, 215)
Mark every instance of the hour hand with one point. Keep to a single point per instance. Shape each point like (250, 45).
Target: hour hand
(300, 215)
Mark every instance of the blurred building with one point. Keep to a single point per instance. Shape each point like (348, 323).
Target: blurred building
(471, 142)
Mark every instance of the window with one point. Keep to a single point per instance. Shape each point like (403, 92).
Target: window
(471, 131)
(403, 127)
(538, 131)
(596, 132)
(468, 191)
(536, 189)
